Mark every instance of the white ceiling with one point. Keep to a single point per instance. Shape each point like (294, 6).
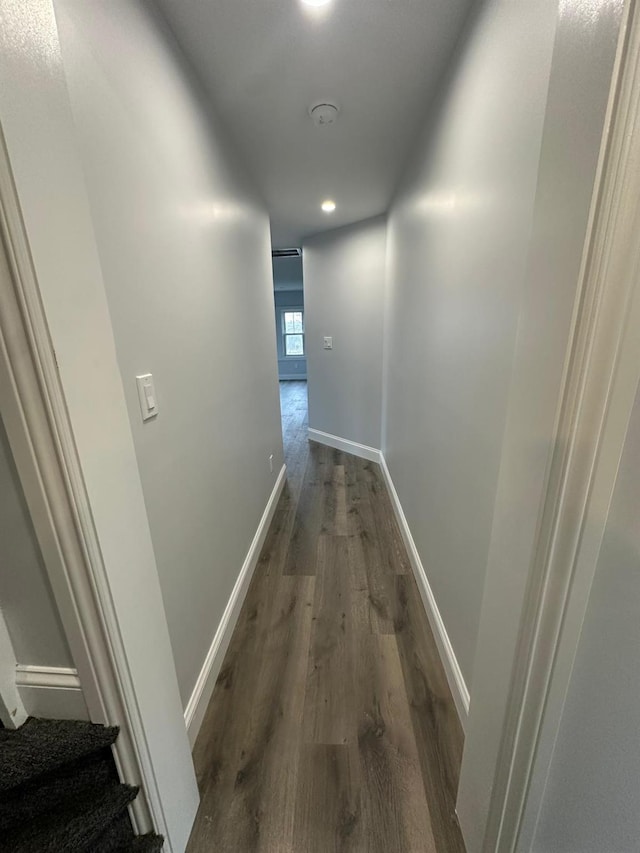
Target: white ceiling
(264, 62)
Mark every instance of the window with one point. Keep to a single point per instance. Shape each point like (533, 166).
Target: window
(293, 333)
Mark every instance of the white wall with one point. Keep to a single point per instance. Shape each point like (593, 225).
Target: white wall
(41, 142)
(287, 273)
(484, 250)
(458, 236)
(185, 252)
(344, 281)
(26, 599)
(583, 57)
(592, 797)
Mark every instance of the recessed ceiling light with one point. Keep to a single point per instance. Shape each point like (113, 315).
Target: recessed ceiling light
(328, 206)
(316, 2)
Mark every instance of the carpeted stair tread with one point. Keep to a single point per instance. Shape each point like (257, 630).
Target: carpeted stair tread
(57, 789)
(145, 844)
(116, 837)
(40, 746)
(76, 829)
(60, 792)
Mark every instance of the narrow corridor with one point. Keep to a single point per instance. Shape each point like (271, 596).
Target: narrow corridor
(331, 727)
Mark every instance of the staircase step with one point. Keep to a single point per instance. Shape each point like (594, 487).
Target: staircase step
(40, 746)
(145, 844)
(75, 829)
(117, 837)
(56, 790)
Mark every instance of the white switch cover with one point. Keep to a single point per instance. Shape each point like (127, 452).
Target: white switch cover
(328, 343)
(147, 396)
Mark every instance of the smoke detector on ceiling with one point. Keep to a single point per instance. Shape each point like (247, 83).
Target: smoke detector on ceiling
(323, 113)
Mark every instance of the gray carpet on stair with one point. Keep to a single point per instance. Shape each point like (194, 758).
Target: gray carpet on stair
(40, 746)
(145, 844)
(60, 792)
(74, 828)
(51, 791)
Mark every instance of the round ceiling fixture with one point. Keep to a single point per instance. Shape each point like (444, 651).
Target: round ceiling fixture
(316, 2)
(328, 206)
(323, 113)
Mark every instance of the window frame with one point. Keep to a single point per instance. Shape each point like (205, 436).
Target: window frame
(284, 334)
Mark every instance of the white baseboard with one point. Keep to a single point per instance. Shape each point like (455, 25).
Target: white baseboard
(452, 669)
(361, 450)
(51, 691)
(197, 704)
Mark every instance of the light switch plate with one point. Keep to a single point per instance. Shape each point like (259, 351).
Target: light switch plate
(147, 396)
(328, 343)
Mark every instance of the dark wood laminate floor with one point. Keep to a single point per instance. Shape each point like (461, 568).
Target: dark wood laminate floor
(331, 727)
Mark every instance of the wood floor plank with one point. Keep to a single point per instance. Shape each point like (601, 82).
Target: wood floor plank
(294, 407)
(394, 805)
(293, 404)
(331, 726)
(328, 818)
(393, 554)
(339, 479)
(378, 591)
(436, 725)
(266, 787)
(303, 544)
(371, 581)
(223, 730)
(335, 502)
(276, 544)
(248, 803)
(329, 712)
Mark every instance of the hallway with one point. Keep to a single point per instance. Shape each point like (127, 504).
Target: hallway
(331, 726)
(428, 211)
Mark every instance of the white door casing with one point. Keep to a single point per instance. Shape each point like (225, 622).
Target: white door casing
(601, 379)
(12, 712)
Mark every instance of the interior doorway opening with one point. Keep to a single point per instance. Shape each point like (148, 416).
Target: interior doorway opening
(288, 286)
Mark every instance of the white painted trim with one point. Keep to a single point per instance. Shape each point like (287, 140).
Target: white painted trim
(602, 376)
(199, 699)
(287, 377)
(47, 677)
(452, 669)
(12, 710)
(361, 450)
(51, 691)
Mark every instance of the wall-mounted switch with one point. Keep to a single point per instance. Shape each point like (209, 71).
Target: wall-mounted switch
(328, 343)
(147, 396)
